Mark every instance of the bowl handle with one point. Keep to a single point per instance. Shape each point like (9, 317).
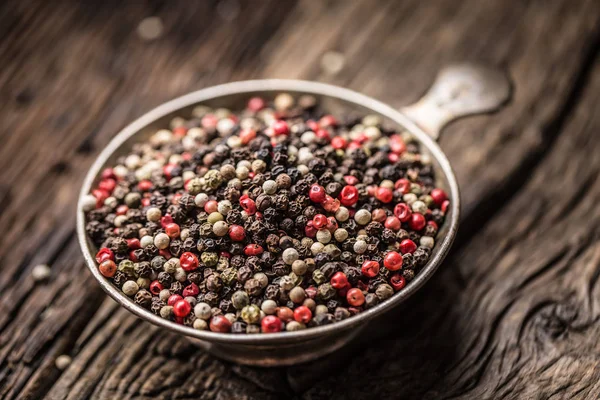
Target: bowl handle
(459, 90)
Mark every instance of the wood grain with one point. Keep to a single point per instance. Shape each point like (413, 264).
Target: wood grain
(511, 315)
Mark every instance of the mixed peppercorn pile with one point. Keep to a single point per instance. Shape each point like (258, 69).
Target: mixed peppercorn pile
(280, 217)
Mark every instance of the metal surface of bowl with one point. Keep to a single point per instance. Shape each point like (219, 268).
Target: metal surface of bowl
(458, 91)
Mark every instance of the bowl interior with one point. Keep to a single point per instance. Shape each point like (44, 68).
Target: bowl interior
(234, 96)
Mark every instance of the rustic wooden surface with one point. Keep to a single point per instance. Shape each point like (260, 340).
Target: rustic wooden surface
(515, 311)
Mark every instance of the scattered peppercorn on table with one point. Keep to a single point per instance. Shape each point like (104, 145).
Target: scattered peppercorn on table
(511, 313)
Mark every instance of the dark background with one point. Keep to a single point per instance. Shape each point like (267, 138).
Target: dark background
(514, 311)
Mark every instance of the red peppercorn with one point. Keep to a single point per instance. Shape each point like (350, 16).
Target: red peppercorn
(172, 230)
(397, 144)
(402, 185)
(285, 314)
(303, 314)
(100, 196)
(191, 290)
(417, 222)
(402, 211)
(434, 225)
(444, 206)
(355, 297)
(281, 128)
(330, 204)
(271, 324)
(338, 142)
(351, 180)
(323, 134)
(328, 120)
(145, 202)
(253, 250)
(371, 190)
(165, 253)
(310, 230)
(145, 185)
(166, 220)
(332, 224)
(438, 196)
(180, 131)
(182, 308)
(393, 261)
(317, 193)
(209, 121)
(393, 223)
(219, 323)
(107, 185)
(133, 243)
(167, 170)
(407, 246)
(156, 287)
(237, 233)
(224, 254)
(108, 268)
(211, 206)
(385, 195)
(133, 257)
(104, 254)
(174, 298)
(319, 221)
(339, 280)
(247, 204)
(108, 173)
(370, 268)
(188, 261)
(349, 195)
(312, 125)
(378, 215)
(256, 104)
(393, 157)
(122, 209)
(397, 281)
(311, 292)
(246, 135)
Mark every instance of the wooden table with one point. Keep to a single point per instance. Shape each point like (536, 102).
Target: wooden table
(513, 313)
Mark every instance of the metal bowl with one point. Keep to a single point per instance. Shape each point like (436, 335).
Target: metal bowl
(458, 91)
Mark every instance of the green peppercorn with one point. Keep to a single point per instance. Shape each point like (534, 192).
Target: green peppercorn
(250, 314)
(318, 276)
(209, 258)
(229, 276)
(127, 267)
(326, 291)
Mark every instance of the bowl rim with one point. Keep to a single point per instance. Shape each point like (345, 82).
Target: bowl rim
(271, 85)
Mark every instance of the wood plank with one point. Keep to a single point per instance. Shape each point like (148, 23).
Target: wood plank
(78, 73)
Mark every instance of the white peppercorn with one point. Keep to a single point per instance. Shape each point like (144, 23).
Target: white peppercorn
(200, 324)
(270, 187)
(321, 309)
(297, 295)
(340, 234)
(360, 246)
(323, 236)
(362, 217)
(299, 267)
(316, 248)
(203, 311)
(290, 255)
(294, 326)
(146, 241)
(162, 240)
(164, 294)
(88, 203)
(427, 241)
(40, 272)
(153, 214)
(220, 228)
(130, 288)
(269, 307)
(201, 199)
